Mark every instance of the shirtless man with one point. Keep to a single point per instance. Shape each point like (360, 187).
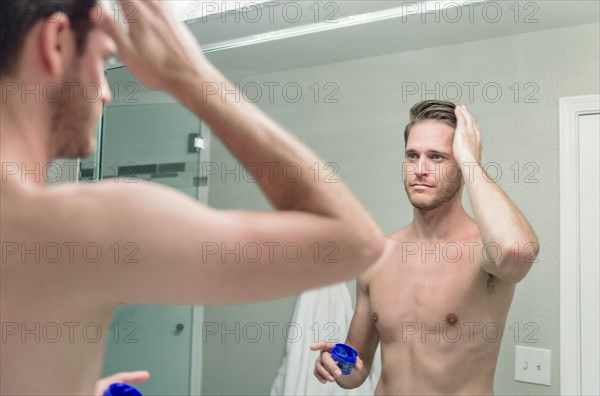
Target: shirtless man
(438, 298)
(71, 253)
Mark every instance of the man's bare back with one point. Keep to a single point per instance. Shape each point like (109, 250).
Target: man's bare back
(64, 270)
(54, 322)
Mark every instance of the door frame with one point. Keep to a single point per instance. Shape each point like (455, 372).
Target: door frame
(570, 108)
(198, 310)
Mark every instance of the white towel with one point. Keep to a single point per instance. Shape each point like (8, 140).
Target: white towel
(329, 308)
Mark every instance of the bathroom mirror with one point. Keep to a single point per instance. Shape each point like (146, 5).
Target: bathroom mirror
(342, 77)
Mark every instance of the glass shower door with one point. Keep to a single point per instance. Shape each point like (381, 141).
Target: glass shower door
(147, 135)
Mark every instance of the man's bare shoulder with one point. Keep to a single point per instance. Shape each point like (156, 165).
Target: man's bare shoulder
(83, 211)
(386, 257)
(96, 231)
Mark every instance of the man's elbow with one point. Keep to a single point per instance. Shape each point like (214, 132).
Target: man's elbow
(515, 261)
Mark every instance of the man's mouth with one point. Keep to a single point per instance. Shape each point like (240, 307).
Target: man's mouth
(420, 185)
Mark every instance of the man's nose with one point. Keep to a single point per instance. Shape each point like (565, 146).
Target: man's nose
(422, 167)
(417, 168)
(106, 95)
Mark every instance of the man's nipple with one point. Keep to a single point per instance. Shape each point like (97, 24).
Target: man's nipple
(451, 319)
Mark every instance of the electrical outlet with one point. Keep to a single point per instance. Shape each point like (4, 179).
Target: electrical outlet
(532, 365)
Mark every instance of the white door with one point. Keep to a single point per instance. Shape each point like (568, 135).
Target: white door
(589, 207)
(580, 241)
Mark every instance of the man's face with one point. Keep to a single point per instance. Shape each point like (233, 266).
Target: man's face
(85, 89)
(431, 174)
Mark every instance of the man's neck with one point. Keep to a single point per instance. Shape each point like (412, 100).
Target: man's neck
(441, 223)
(24, 144)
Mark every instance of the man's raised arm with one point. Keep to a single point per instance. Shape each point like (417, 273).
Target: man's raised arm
(320, 235)
(500, 222)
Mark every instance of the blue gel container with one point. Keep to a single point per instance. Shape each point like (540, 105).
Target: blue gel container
(118, 389)
(345, 357)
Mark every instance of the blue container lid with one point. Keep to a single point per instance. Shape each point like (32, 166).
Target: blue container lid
(118, 389)
(344, 353)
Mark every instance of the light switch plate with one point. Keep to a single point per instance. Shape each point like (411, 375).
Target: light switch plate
(532, 365)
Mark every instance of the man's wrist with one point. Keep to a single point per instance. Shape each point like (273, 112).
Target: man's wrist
(466, 161)
(196, 86)
(469, 166)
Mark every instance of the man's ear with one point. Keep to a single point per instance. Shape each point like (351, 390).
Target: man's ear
(56, 44)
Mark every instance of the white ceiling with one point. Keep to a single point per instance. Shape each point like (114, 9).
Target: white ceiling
(282, 35)
(477, 21)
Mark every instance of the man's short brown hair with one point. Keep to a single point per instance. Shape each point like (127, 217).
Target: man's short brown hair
(17, 17)
(439, 110)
